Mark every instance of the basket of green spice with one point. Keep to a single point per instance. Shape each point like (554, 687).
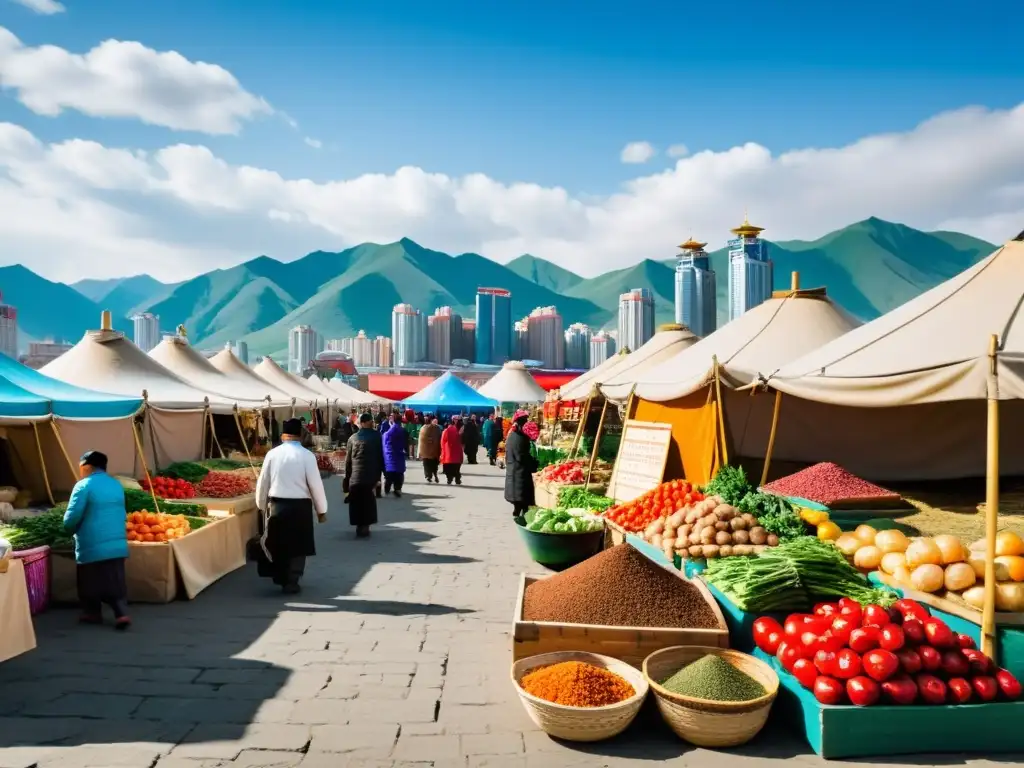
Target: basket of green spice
(711, 697)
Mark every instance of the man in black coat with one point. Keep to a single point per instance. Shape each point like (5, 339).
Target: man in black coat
(470, 439)
(364, 464)
(519, 467)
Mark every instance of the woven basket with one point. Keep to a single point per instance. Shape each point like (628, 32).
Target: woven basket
(580, 723)
(37, 577)
(707, 723)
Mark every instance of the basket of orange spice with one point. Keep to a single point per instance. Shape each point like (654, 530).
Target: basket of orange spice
(145, 526)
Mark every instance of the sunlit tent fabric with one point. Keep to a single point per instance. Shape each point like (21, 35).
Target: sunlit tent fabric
(682, 390)
(449, 393)
(513, 384)
(246, 379)
(670, 340)
(178, 356)
(304, 394)
(29, 394)
(350, 394)
(903, 397)
(580, 387)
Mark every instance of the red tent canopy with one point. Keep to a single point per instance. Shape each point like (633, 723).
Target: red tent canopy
(551, 381)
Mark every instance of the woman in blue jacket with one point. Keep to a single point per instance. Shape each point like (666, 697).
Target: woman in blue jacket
(96, 515)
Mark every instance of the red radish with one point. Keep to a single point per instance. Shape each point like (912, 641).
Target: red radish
(825, 662)
(938, 634)
(862, 691)
(875, 616)
(863, 639)
(913, 630)
(1008, 684)
(965, 641)
(955, 664)
(985, 686)
(900, 690)
(960, 690)
(847, 665)
(931, 659)
(828, 690)
(805, 673)
(910, 661)
(931, 689)
(881, 665)
(891, 638)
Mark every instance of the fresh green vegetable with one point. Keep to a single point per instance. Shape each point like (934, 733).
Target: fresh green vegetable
(222, 465)
(713, 678)
(186, 470)
(136, 501)
(46, 529)
(608, 450)
(561, 521)
(195, 523)
(547, 456)
(731, 484)
(571, 498)
(774, 513)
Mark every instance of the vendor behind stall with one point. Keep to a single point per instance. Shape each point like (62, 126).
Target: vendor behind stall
(96, 515)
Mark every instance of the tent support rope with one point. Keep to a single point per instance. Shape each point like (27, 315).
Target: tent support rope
(721, 415)
(145, 467)
(771, 436)
(63, 449)
(202, 439)
(597, 444)
(213, 432)
(578, 437)
(152, 433)
(988, 612)
(42, 463)
(245, 445)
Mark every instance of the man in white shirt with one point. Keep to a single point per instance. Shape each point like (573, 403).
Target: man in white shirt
(288, 492)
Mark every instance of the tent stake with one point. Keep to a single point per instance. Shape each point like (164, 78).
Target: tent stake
(988, 613)
(42, 463)
(60, 442)
(771, 435)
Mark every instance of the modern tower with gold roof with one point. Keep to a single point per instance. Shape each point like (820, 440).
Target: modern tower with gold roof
(750, 269)
(696, 306)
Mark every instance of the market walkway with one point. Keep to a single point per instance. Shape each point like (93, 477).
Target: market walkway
(397, 653)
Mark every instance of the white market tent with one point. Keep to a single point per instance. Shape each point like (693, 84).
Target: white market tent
(301, 390)
(513, 384)
(176, 355)
(246, 379)
(344, 395)
(618, 381)
(903, 397)
(581, 387)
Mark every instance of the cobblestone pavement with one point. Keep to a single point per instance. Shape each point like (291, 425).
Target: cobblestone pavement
(397, 653)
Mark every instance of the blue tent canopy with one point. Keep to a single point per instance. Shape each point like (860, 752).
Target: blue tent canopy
(25, 393)
(449, 393)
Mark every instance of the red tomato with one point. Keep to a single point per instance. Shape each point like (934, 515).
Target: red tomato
(985, 686)
(911, 609)
(965, 641)
(960, 690)
(955, 664)
(913, 630)
(891, 638)
(828, 690)
(900, 690)
(875, 616)
(863, 639)
(938, 634)
(910, 661)
(788, 654)
(1008, 685)
(852, 611)
(805, 673)
(931, 659)
(825, 662)
(828, 642)
(841, 629)
(809, 641)
(766, 628)
(794, 625)
(848, 664)
(880, 665)
(862, 691)
(826, 609)
(931, 689)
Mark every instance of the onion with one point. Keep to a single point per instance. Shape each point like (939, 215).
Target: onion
(959, 576)
(901, 576)
(1010, 597)
(866, 534)
(892, 541)
(891, 561)
(1003, 572)
(927, 578)
(1014, 567)
(950, 548)
(923, 552)
(848, 544)
(975, 597)
(1009, 543)
(867, 558)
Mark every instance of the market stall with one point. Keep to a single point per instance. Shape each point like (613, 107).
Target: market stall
(17, 635)
(306, 397)
(513, 384)
(449, 395)
(351, 397)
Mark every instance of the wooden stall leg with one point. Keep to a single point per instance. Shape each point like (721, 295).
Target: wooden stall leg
(988, 613)
(771, 437)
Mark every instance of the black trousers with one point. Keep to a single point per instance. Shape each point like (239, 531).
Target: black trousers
(519, 509)
(453, 472)
(288, 573)
(393, 480)
(471, 454)
(103, 583)
(430, 468)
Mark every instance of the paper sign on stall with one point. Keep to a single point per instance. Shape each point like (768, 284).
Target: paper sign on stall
(640, 465)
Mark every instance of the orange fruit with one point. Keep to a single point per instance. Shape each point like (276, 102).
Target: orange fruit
(143, 529)
(147, 537)
(160, 537)
(129, 526)
(133, 536)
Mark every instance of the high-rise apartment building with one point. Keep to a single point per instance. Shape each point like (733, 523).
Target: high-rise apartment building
(545, 338)
(696, 305)
(494, 330)
(8, 330)
(241, 350)
(521, 340)
(636, 318)
(363, 350)
(467, 343)
(577, 346)
(444, 336)
(303, 347)
(751, 272)
(602, 346)
(147, 330)
(408, 335)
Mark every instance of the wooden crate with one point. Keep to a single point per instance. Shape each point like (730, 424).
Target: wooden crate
(614, 534)
(629, 644)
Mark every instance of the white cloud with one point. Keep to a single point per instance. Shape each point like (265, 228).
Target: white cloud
(44, 7)
(128, 80)
(314, 143)
(637, 152)
(77, 208)
(678, 150)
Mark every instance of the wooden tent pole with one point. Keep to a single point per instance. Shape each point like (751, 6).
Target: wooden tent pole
(245, 445)
(721, 415)
(988, 613)
(64, 450)
(42, 463)
(152, 431)
(771, 436)
(145, 467)
(206, 410)
(578, 437)
(213, 433)
(597, 444)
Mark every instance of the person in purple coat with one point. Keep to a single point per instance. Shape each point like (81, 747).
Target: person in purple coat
(395, 441)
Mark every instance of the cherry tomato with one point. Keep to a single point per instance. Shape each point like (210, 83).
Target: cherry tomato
(931, 689)
(955, 664)
(1008, 684)
(931, 659)
(913, 630)
(848, 664)
(828, 690)
(938, 634)
(911, 609)
(851, 610)
(875, 616)
(764, 629)
(805, 673)
(788, 654)
(891, 638)
(825, 662)
(841, 629)
(863, 639)
(900, 690)
(960, 691)
(880, 665)
(965, 641)
(985, 687)
(910, 661)
(862, 691)
(826, 609)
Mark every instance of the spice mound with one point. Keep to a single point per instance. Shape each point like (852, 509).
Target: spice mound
(618, 587)
(576, 684)
(830, 484)
(714, 679)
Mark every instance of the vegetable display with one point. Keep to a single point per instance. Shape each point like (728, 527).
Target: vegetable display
(831, 485)
(713, 678)
(659, 502)
(578, 498)
(576, 684)
(154, 527)
(225, 485)
(46, 529)
(564, 521)
(566, 473)
(169, 487)
(846, 653)
(138, 501)
(791, 576)
(773, 513)
(324, 463)
(709, 528)
(189, 471)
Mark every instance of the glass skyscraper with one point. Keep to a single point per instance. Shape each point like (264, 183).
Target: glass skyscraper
(696, 305)
(408, 335)
(493, 326)
(751, 275)
(636, 318)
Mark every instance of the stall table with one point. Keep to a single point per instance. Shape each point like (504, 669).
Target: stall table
(17, 635)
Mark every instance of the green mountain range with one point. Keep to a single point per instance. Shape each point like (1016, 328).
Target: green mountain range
(869, 267)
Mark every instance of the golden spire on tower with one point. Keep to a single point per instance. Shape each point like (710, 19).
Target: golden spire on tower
(746, 229)
(692, 245)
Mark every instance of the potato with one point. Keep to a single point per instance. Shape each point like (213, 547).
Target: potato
(696, 551)
(683, 531)
(738, 524)
(868, 558)
(677, 518)
(694, 538)
(773, 540)
(728, 510)
(725, 551)
(722, 538)
(656, 527)
(742, 549)
(721, 525)
(692, 515)
(740, 537)
(707, 535)
(758, 536)
(710, 550)
(656, 540)
(750, 520)
(669, 532)
(759, 548)
(668, 544)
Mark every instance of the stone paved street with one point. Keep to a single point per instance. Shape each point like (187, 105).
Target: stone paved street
(397, 653)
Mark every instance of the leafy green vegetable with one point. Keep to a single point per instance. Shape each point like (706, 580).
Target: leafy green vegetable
(186, 470)
(576, 498)
(222, 465)
(136, 501)
(561, 521)
(46, 529)
(547, 456)
(774, 513)
(731, 484)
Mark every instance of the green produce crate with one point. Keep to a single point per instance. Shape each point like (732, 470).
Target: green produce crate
(848, 731)
(558, 550)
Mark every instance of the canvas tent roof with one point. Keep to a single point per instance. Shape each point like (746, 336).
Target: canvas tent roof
(449, 392)
(514, 384)
(771, 334)
(178, 356)
(107, 361)
(617, 383)
(315, 382)
(932, 349)
(240, 374)
(28, 394)
(289, 384)
(347, 395)
(579, 388)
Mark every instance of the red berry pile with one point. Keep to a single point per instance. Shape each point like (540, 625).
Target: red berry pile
(169, 487)
(225, 485)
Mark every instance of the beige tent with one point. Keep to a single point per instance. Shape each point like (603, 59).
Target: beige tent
(244, 378)
(581, 387)
(304, 394)
(903, 397)
(346, 396)
(513, 384)
(710, 422)
(617, 382)
(178, 356)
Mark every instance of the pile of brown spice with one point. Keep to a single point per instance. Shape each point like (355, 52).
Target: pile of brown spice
(618, 587)
(576, 684)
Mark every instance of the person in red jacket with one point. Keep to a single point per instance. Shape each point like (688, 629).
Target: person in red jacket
(451, 452)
